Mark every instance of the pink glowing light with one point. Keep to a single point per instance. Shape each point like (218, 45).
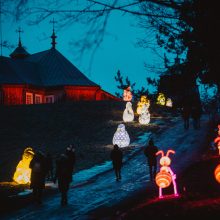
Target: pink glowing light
(166, 175)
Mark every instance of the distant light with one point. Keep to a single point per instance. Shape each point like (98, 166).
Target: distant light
(128, 114)
(23, 172)
(144, 117)
(165, 176)
(143, 100)
(169, 103)
(121, 137)
(161, 99)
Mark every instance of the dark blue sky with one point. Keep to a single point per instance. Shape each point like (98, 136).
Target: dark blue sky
(117, 52)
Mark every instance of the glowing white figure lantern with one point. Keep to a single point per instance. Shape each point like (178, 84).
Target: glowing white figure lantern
(128, 114)
(144, 101)
(127, 95)
(169, 103)
(161, 99)
(144, 118)
(165, 176)
(23, 172)
(121, 137)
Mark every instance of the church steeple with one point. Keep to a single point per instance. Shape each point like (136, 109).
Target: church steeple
(19, 52)
(53, 36)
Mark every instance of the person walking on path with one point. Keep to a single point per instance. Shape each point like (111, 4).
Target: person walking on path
(186, 115)
(116, 157)
(70, 153)
(150, 152)
(63, 174)
(196, 115)
(38, 174)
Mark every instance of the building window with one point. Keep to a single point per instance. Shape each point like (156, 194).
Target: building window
(49, 99)
(38, 99)
(29, 98)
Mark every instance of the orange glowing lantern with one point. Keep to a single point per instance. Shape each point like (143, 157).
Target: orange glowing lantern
(163, 179)
(23, 172)
(217, 173)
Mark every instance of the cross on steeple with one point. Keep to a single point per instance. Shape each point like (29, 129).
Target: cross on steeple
(53, 36)
(19, 31)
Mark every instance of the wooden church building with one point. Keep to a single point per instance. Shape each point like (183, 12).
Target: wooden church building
(44, 77)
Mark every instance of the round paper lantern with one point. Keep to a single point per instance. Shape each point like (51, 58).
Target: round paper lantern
(161, 99)
(144, 117)
(23, 172)
(143, 100)
(121, 137)
(217, 173)
(128, 114)
(163, 179)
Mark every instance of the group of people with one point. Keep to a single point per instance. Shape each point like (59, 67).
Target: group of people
(65, 166)
(42, 166)
(193, 112)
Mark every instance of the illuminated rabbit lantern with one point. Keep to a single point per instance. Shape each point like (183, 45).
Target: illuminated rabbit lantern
(144, 101)
(165, 176)
(121, 137)
(128, 114)
(127, 95)
(144, 117)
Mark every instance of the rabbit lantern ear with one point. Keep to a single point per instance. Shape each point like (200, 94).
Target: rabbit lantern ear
(170, 151)
(160, 152)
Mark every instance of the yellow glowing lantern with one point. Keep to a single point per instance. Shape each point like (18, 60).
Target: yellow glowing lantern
(163, 179)
(169, 103)
(143, 101)
(161, 100)
(217, 173)
(23, 172)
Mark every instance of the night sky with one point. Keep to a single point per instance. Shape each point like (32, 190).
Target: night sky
(117, 52)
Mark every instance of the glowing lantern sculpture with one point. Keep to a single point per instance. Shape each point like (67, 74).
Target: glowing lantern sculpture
(217, 173)
(169, 103)
(161, 100)
(23, 172)
(128, 114)
(121, 137)
(165, 176)
(217, 141)
(143, 101)
(127, 95)
(144, 118)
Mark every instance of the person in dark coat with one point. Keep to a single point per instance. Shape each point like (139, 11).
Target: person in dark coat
(196, 115)
(150, 152)
(70, 152)
(38, 173)
(64, 176)
(116, 157)
(186, 115)
(49, 166)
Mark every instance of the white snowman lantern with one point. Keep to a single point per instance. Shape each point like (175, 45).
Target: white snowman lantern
(144, 117)
(169, 103)
(128, 114)
(121, 137)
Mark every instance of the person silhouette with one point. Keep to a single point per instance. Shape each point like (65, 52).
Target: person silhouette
(150, 152)
(116, 157)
